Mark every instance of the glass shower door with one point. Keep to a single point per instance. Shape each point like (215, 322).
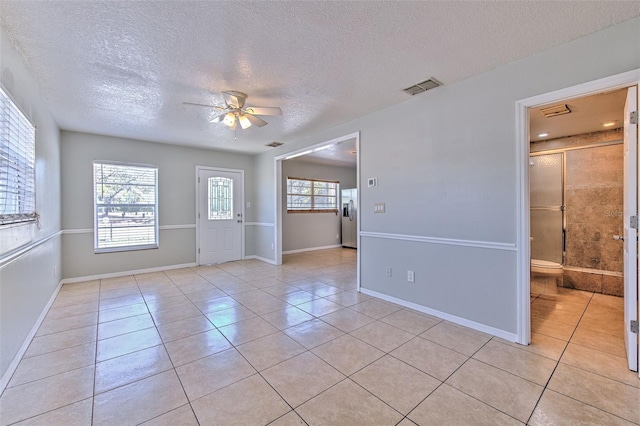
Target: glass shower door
(547, 206)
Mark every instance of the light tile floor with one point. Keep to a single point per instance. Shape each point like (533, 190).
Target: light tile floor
(249, 343)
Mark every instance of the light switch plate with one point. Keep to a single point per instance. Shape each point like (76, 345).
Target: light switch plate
(372, 182)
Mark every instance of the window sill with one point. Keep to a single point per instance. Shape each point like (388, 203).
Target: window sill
(314, 211)
(127, 248)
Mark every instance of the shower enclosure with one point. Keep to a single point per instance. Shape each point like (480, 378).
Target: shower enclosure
(546, 176)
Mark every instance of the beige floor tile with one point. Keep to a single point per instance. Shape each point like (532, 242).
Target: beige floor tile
(455, 337)
(118, 302)
(504, 391)
(139, 401)
(411, 321)
(280, 290)
(289, 419)
(209, 293)
(230, 406)
(76, 414)
(347, 354)
(51, 326)
(168, 302)
(270, 350)
(218, 304)
(286, 318)
(207, 375)
(396, 383)
(600, 392)
(563, 317)
(614, 328)
(69, 311)
(128, 368)
(555, 408)
(201, 345)
(347, 320)
(449, 407)
(600, 341)
(350, 405)
(601, 363)
(52, 363)
(548, 347)
(184, 328)
(348, 298)
(252, 296)
(63, 300)
(552, 329)
(320, 307)
(313, 333)
(175, 314)
(232, 315)
(122, 312)
(265, 306)
(527, 365)
(559, 305)
(62, 340)
(376, 308)
(298, 297)
(124, 326)
(182, 416)
(301, 378)
(127, 343)
(382, 336)
(429, 357)
(247, 330)
(35, 398)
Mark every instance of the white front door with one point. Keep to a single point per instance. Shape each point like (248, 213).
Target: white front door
(630, 233)
(219, 216)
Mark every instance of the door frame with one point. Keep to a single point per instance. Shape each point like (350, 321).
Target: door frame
(197, 196)
(277, 237)
(618, 81)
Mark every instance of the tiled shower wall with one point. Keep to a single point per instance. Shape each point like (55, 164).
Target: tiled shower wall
(593, 199)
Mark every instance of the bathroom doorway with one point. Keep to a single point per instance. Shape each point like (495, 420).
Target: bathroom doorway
(580, 247)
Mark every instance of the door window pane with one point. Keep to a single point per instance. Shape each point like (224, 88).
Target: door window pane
(220, 198)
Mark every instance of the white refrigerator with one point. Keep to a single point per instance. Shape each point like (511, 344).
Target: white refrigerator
(349, 202)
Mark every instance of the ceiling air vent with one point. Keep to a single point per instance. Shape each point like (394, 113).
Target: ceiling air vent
(274, 144)
(423, 86)
(555, 110)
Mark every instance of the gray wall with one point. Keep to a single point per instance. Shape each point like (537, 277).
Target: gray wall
(309, 230)
(28, 280)
(446, 168)
(176, 200)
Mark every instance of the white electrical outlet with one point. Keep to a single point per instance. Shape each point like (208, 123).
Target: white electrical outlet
(389, 271)
(411, 277)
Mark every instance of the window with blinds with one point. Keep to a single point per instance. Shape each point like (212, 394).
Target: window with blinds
(126, 207)
(17, 164)
(311, 195)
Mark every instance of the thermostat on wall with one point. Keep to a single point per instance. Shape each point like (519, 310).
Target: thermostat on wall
(372, 182)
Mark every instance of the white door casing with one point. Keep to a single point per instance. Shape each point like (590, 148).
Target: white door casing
(220, 215)
(630, 233)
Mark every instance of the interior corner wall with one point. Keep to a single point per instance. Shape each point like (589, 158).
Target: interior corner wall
(305, 231)
(449, 179)
(30, 260)
(176, 200)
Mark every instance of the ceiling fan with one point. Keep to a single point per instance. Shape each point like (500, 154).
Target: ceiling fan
(235, 111)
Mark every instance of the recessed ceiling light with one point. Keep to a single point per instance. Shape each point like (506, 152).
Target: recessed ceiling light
(543, 135)
(609, 124)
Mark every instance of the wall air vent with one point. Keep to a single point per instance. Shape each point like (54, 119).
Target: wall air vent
(555, 110)
(274, 144)
(423, 86)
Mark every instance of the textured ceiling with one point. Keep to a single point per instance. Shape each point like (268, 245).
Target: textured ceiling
(123, 68)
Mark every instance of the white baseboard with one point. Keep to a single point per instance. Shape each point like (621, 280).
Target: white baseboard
(4, 381)
(512, 337)
(263, 259)
(311, 249)
(125, 273)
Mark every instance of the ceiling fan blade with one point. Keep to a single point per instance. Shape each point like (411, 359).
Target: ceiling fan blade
(203, 105)
(234, 99)
(256, 121)
(263, 110)
(218, 118)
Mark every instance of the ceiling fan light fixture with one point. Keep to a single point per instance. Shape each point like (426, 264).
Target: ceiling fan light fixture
(229, 119)
(244, 122)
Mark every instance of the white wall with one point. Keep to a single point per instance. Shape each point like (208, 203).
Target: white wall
(28, 254)
(446, 168)
(310, 230)
(176, 200)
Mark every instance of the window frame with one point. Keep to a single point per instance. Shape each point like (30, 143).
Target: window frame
(313, 196)
(122, 248)
(27, 174)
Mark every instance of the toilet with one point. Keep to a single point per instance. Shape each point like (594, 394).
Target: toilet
(545, 269)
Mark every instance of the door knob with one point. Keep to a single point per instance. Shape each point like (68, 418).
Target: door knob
(239, 221)
(618, 237)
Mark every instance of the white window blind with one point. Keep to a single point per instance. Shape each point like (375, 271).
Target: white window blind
(17, 164)
(126, 206)
(311, 195)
